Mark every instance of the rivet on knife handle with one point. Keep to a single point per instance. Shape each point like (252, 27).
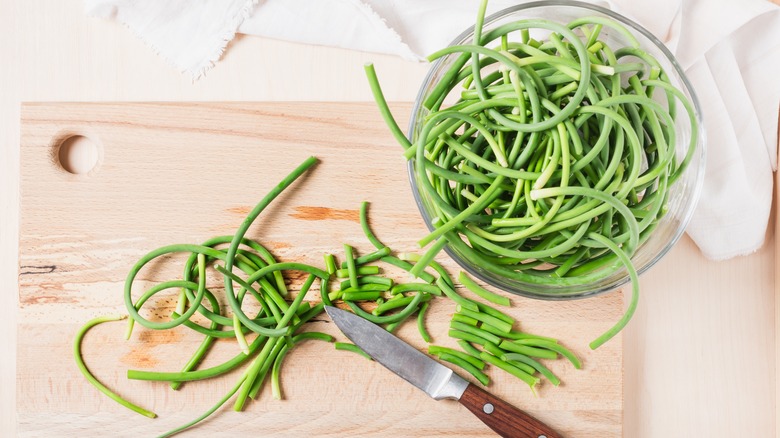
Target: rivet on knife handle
(503, 418)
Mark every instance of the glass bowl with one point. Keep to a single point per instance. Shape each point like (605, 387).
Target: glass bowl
(682, 195)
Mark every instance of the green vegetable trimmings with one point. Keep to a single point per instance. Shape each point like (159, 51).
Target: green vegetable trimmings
(88, 375)
(482, 292)
(346, 346)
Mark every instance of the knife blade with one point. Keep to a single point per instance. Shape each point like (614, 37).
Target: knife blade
(435, 379)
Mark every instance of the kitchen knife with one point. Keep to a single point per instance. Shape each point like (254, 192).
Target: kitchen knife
(435, 379)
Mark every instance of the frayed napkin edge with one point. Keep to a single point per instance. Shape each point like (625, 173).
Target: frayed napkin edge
(197, 72)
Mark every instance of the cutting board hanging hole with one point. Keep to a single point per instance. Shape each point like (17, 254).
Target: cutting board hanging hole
(77, 154)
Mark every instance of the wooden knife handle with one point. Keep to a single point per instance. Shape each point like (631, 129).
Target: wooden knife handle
(503, 418)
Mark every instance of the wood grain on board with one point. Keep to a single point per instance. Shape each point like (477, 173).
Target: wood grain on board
(184, 172)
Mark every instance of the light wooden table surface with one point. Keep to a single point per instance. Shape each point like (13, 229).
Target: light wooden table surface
(699, 355)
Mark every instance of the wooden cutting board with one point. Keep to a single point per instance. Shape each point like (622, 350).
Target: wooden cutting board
(184, 172)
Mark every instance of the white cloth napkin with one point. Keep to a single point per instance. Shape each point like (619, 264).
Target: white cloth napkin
(730, 51)
(190, 34)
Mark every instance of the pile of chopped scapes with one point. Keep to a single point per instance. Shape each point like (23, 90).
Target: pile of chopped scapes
(486, 335)
(281, 319)
(555, 162)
